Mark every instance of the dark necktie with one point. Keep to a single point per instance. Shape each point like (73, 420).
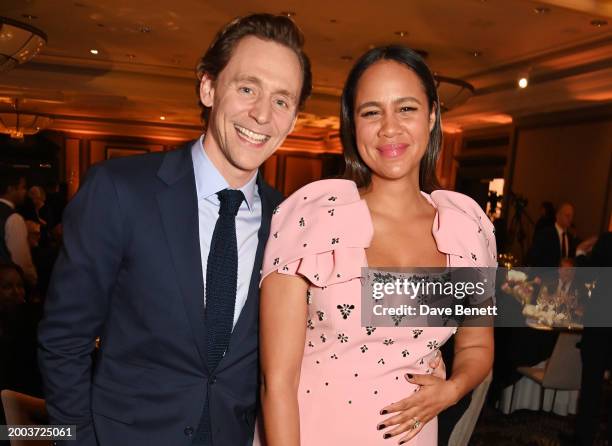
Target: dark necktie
(564, 252)
(222, 278)
(221, 286)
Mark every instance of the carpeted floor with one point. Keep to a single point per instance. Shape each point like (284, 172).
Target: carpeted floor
(524, 428)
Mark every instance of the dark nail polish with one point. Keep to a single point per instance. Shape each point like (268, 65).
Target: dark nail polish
(386, 436)
(380, 426)
(410, 376)
(383, 412)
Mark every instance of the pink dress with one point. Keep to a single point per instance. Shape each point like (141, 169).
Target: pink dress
(349, 372)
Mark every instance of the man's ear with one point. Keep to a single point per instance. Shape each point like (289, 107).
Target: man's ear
(207, 90)
(295, 120)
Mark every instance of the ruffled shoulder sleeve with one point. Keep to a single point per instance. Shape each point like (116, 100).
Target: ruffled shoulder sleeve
(464, 229)
(320, 233)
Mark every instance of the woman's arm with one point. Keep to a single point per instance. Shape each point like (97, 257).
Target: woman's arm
(282, 333)
(473, 361)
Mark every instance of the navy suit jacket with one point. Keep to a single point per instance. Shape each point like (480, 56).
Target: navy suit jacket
(130, 272)
(546, 248)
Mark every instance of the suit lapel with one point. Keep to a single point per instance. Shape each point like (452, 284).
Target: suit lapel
(178, 206)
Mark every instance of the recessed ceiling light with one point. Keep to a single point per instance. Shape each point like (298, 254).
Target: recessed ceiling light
(29, 16)
(131, 56)
(599, 23)
(523, 82)
(93, 51)
(476, 53)
(288, 13)
(401, 33)
(144, 29)
(163, 118)
(541, 10)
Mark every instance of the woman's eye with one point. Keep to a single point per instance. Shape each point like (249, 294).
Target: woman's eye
(369, 113)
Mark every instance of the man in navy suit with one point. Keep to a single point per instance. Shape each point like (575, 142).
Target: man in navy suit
(146, 263)
(552, 243)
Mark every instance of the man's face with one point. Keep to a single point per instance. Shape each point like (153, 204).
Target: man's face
(254, 104)
(565, 216)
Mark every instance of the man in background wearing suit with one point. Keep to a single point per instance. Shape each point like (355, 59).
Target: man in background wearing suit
(162, 257)
(552, 243)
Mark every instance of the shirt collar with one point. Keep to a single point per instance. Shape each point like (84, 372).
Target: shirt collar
(209, 180)
(560, 230)
(8, 203)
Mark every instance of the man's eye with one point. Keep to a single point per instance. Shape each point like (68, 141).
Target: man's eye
(246, 90)
(407, 108)
(282, 103)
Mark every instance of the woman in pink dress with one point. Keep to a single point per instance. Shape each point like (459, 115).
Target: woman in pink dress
(326, 380)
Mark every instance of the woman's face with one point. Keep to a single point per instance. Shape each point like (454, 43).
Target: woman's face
(392, 120)
(12, 291)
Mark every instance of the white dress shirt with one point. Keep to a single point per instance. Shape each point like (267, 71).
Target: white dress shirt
(560, 232)
(208, 182)
(16, 240)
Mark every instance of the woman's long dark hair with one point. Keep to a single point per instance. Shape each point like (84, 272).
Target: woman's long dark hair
(356, 170)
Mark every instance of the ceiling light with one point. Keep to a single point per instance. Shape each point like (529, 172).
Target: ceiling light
(288, 13)
(476, 53)
(18, 124)
(18, 43)
(93, 51)
(401, 33)
(523, 82)
(541, 10)
(144, 29)
(29, 16)
(599, 23)
(163, 118)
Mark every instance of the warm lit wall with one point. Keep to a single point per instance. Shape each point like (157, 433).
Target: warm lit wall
(566, 162)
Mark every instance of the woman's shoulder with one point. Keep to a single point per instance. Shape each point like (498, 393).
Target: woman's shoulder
(460, 206)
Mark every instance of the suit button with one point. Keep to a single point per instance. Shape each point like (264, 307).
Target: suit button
(213, 379)
(188, 431)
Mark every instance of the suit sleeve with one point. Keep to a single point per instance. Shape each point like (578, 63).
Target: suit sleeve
(77, 301)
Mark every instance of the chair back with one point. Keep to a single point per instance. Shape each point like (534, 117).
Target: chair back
(24, 409)
(564, 368)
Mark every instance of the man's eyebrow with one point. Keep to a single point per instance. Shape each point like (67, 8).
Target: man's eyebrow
(379, 104)
(258, 82)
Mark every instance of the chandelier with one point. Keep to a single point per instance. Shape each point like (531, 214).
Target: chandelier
(452, 92)
(18, 124)
(18, 43)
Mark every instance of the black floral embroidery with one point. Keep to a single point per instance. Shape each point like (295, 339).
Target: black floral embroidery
(276, 261)
(370, 330)
(305, 198)
(334, 356)
(364, 348)
(381, 361)
(405, 353)
(345, 310)
(479, 229)
(323, 338)
(432, 345)
(275, 234)
(316, 276)
(343, 338)
(335, 240)
(332, 198)
(310, 344)
(302, 222)
(285, 268)
(331, 212)
(305, 245)
(422, 299)
(421, 361)
(397, 319)
(308, 297)
(388, 341)
(474, 257)
(416, 333)
(320, 315)
(309, 324)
